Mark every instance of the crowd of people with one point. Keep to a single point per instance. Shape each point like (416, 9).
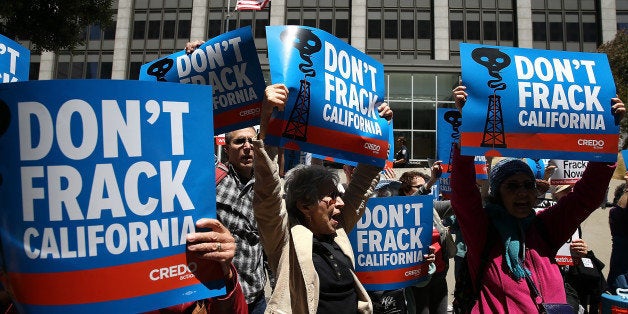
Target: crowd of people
(292, 231)
(301, 222)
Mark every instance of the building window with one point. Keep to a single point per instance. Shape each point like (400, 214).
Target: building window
(219, 13)
(399, 29)
(162, 26)
(487, 22)
(414, 97)
(622, 14)
(571, 25)
(330, 16)
(94, 59)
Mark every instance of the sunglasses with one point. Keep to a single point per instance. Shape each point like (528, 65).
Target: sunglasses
(333, 196)
(515, 186)
(241, 140)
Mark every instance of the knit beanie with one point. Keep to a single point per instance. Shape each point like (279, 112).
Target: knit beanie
(504, 169)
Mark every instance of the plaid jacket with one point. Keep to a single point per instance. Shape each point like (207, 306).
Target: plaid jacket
(234, 208)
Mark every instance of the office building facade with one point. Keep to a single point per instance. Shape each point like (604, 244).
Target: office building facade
(416, 40)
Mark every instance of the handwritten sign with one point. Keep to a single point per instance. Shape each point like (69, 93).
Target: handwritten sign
(229, 63)
(537, 104)
(390, 239)
(335, 90)
(102, 181)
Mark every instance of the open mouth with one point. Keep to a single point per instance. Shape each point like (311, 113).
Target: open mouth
(335, 218)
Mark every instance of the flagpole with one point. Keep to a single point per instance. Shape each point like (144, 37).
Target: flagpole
(228, 16)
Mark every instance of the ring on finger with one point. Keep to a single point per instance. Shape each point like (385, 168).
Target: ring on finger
(219, 247)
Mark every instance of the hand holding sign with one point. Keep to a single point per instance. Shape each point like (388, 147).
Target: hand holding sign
(460, 96)
(275, 95)
(618, 109)
(216, 245)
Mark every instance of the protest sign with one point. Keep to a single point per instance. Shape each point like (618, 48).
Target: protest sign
(537, 104)
(14, 61)
(390, 239)
(229, 63)
(563, 256)
(447, 133)
(101, 182)
(389, 161)
(334, 93)
(567, 172)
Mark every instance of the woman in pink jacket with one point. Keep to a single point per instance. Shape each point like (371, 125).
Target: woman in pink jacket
(519, 243)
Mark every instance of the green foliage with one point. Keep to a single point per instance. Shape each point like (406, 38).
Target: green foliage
(52, 24)
(617, 52)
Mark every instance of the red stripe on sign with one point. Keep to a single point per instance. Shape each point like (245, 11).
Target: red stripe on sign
(337, 140)
(112, 283)
(393, 275)
(480, 169)
(586, 143)
(246, 113)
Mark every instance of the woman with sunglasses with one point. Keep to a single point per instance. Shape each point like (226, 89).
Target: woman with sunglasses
(304, 234)
(510, 248)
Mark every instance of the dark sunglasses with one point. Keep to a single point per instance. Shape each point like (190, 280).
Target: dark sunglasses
(241, 140)
(515, 186)
(333, 197)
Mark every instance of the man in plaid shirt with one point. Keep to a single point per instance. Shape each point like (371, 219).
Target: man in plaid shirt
(234, 208)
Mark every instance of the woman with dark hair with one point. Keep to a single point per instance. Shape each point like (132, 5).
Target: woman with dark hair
(510, 248)
(618, 221)
(305, 234)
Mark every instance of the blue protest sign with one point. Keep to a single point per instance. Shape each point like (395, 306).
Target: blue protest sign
(335, 90)
(448, 133)
(14, 61)
(229, 63)
(390, 239)
(537, 104)
(101, 182)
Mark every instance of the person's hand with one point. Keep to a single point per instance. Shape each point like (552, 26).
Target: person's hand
(389, 173)
(542, 186)
(275, 95)
(549, 171)
(436, 170)
(192, 45)
(460, 96)
(430, 257)
(215, 245)
(618, 109)
(385, 111)
(578, 248)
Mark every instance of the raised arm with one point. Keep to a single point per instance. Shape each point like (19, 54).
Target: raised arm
(270, 213)
(362, 185)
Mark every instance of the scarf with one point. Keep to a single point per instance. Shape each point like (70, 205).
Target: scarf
(512, 231)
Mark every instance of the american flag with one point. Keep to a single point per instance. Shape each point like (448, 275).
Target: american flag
(251, 5)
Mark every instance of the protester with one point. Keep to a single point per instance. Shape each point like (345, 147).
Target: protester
(398, 300)
(522, 259)
(234, 208)
(432, 298)
(402, 156)
(618, 221)
(305, 233)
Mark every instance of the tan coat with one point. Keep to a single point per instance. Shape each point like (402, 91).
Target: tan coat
(288, 245)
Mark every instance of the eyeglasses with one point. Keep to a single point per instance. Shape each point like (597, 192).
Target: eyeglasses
(241, 140)
(515, 186)
(333, 197)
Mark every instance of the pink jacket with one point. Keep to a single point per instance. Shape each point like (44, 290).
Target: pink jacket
(499, 292)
